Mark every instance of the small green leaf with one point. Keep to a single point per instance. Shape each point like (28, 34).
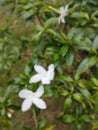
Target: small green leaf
(63, 50)
(69, 58)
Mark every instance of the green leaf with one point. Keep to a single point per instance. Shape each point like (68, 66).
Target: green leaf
(95, 43)
(69, 58)
(85, 65)
(27, 70)
(49, 91)
(66, 78)
(95, 81)
(67, 118)
(85, 118)
(67, 104)
(63, 50)
(41, 123)
(56, 56)
(79, 15)
(71, 33)
(86, 93)
(71, 87)
(63, 91)
(57, 36)
(78, 97)
(84, 45)
(51, 22)
(51, 31)
(83, 83)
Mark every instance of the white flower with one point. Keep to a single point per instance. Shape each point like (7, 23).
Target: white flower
(63, 13)
(42, 74)
(32, 97)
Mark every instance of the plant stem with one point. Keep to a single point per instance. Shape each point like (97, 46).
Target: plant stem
(35, 118)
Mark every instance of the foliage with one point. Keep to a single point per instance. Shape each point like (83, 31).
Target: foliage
(72, 47)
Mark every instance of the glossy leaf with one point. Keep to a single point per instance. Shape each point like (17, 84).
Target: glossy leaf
(78, 97)
(69, 58)
(85, 65)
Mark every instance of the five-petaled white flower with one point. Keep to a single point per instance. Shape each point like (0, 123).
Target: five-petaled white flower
(32, 97)
(42, 75)
(63, 13)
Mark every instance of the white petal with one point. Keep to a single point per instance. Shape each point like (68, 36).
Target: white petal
(39, 69)
(51, 67)
(63, 20)
(39, 103)
(45, 80)
(36, 78)
(62, 10)
(66, 8)
(26, 104)
(24, 93)
(50, 75)
(39, 91)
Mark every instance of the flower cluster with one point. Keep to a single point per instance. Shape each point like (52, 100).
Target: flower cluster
(34, 97)
(45, 76)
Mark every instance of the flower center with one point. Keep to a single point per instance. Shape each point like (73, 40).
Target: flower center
(33, 95)
(45, 76)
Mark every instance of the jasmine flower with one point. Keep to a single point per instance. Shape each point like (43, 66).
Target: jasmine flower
(42, 75)
(63, 13)
(32, 98)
